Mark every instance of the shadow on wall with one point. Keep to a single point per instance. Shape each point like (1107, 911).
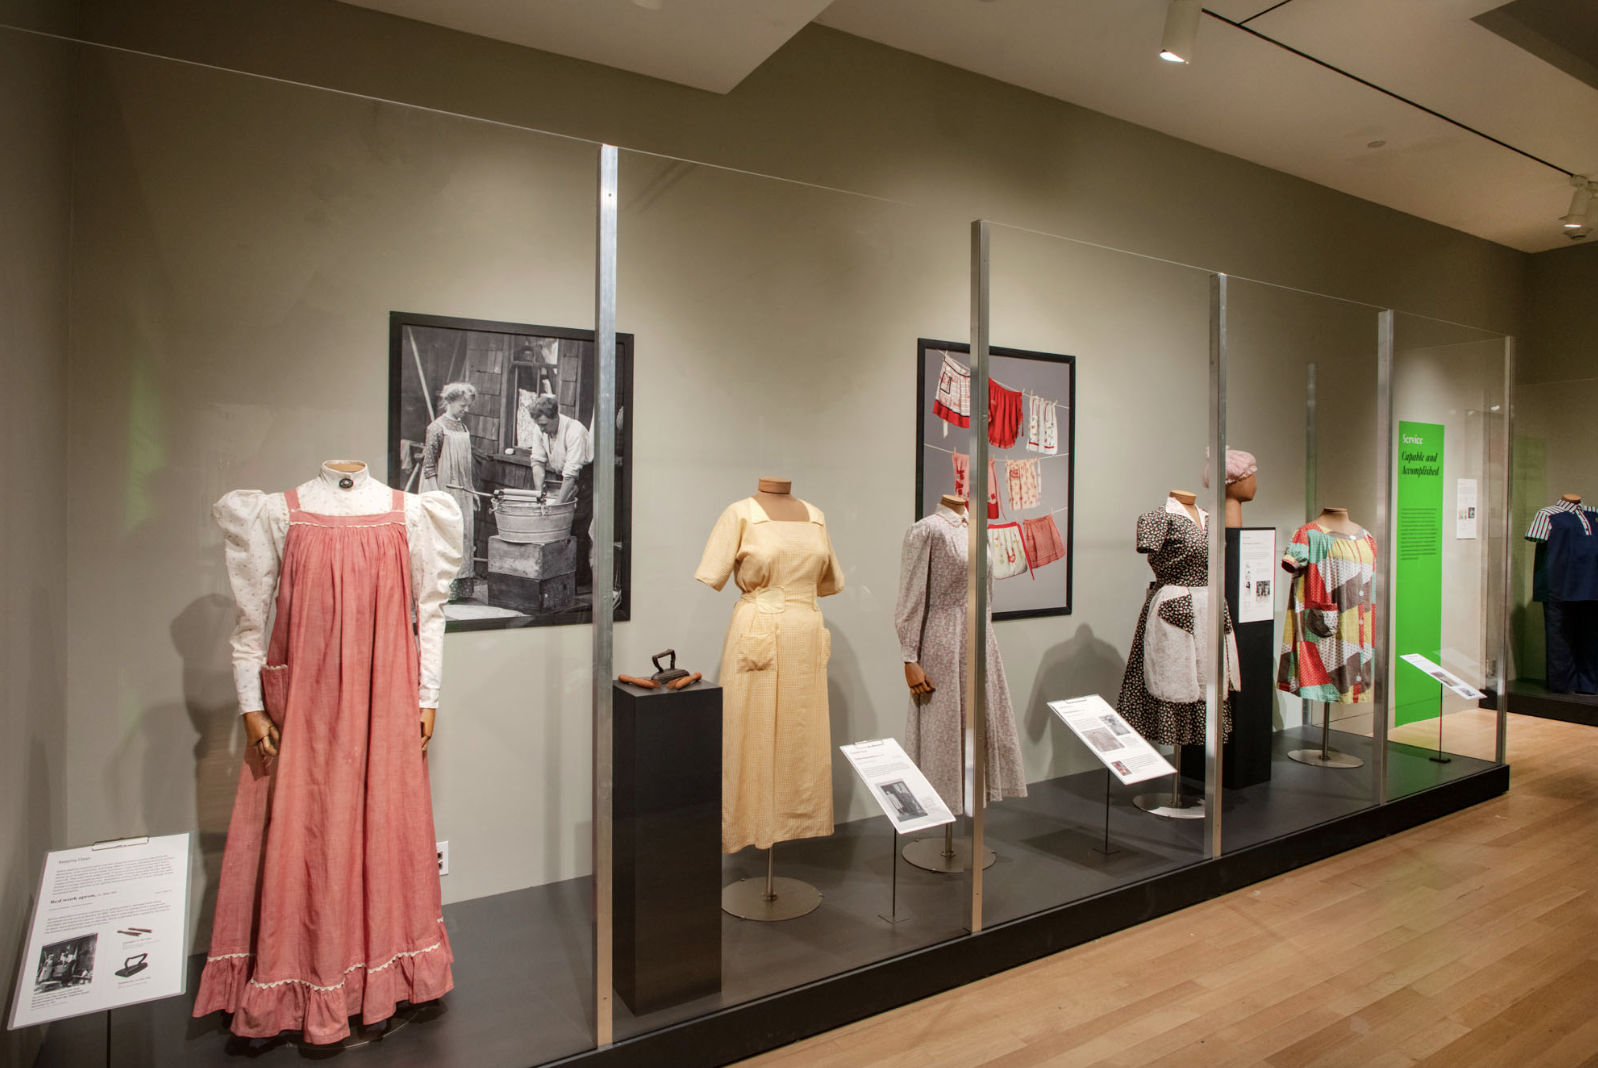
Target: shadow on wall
(209, 715)
(1082, 665)
(846, 687)
(45, 736)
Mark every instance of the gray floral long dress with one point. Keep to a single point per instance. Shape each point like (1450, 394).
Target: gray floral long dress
(930, 618)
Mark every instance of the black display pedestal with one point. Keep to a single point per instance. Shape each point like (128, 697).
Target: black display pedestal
(667, 845)
(1246, 758)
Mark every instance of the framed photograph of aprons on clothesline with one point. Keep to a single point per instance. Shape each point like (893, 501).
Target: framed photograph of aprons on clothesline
(500, 416)
(1031, 445)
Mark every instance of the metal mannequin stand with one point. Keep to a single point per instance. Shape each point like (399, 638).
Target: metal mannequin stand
(1438, 757)
(1174, 805)
(947, 855)
(1325, 756)
(893, 915)
(771, 898)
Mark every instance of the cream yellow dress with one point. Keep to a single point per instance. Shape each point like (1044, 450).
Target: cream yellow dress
(776, 745)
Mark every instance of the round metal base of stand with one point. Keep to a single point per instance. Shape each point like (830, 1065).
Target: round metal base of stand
(928, 855)
(746, 899)
(360, 1034)
(1331, 758)
(1181, 807)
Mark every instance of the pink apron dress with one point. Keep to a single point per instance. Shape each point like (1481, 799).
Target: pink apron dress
(328, 904)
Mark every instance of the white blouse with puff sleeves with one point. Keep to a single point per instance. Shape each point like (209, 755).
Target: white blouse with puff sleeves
(254, 525)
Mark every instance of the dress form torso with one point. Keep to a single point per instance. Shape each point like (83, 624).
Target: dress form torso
(1333, 519)
(776, 740)
(1166, 669)
(930, 619)
(776, 499)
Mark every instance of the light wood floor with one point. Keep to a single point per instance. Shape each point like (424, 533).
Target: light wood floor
(1470, 941)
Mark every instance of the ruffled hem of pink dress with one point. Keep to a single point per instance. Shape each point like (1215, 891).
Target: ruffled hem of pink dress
(323, 1014)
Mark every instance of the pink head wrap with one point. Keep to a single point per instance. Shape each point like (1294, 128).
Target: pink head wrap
(1239, 465)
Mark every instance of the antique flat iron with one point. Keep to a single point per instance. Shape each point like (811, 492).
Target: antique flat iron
(664, 675)
(671, 676)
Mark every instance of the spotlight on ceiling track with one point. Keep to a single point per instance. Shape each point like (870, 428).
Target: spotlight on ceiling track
(1578, 221)
(1181, 30)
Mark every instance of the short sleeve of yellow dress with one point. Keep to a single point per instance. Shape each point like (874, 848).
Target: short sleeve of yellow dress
(776, 745)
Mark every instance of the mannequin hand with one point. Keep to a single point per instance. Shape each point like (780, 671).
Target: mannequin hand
(262, 733)
(917, 679)
(427, 728)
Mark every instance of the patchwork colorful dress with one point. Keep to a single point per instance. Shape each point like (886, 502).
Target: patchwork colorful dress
(1329, 640)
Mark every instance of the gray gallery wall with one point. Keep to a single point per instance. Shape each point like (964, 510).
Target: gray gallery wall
(238, 244)
(845, 112)
(35, 127)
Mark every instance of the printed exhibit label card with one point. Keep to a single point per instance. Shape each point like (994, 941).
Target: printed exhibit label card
(1110, 738)
(1444, 676)
(108, 929)
(906, 797)
(1257, 564)
(1465, 509)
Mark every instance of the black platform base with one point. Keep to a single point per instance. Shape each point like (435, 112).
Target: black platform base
(524, 967)
(1528, 697)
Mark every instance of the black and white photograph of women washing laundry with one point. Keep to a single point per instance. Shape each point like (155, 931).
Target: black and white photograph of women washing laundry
(500, 416)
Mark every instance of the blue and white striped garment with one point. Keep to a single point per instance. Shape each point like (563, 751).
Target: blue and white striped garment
(1542, 522)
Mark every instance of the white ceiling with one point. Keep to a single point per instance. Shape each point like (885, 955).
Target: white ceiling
(1241, 95)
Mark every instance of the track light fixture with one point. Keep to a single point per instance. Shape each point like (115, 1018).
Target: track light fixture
(1578, 221)
(1181, 30)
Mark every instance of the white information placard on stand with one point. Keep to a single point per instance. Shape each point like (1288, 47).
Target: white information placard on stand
(1110, 738)
(108, 929)
(1444, 676)
(906, 797)
(1257, 568)
(1465, 509)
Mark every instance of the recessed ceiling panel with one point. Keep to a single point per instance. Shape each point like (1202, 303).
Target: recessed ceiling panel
(1250, 98)
(706, 44)
(1562, 33)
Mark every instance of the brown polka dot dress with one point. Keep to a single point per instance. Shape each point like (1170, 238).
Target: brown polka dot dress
(1162, 694)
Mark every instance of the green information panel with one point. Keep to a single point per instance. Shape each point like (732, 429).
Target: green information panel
(1418, 585)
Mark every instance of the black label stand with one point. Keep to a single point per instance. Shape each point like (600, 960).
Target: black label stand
(1246, 757)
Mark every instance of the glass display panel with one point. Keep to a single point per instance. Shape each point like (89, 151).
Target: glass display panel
(1139, 417)
(1301, 413)
(1449, 411)
(238, 249)
(776, 326)
(1555, 455)
(259, 277)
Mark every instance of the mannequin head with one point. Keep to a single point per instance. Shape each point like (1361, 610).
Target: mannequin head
(1240, 465)
(1240, 483)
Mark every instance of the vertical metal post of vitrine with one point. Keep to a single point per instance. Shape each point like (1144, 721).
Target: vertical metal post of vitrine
(1215, 688)
(976, 603)
(1382, 593)
(1506, 457)
(604, 580)
(1312, 489)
